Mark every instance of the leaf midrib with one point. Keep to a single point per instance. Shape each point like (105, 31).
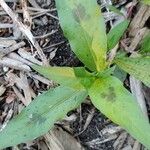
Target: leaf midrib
(55, 105)
(88, 44)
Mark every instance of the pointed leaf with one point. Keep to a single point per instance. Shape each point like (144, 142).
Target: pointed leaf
(40, 115)
(138, 67)
(77, 78)
(83, 25)
(114, 101)
(116, 33)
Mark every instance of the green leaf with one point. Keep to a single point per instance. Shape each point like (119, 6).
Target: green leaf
(83, 25)
(138, 67)
(114, 101)
(145, 45)
(115, 10)
(116, 33)
(77, 77)
(147, 2)
(120, 74)
(40, 115)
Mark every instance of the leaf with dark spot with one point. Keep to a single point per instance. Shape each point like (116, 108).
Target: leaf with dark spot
(84, 27)
(40, 116)
(37, 118)
(79, 13)
(138, 67)
(113, 100)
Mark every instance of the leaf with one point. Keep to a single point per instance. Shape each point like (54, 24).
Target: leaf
(138, 67)
(115, 10)
(77, 78)
(145, 45)
(120, 74)
(116, 33)
(40, 116)
(147, 2)
(114, 101)
(83, 25)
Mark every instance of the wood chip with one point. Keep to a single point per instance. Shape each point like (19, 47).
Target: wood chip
(89, 119)
(24, 30)
(12, 48)
(2, 90)
(14, 64)
(6, 43)
(22, 84)
(15, 56)
(99, 141)
(108, 130)
(27, 55)
(57, 139)
(139, 20)
(26, 88)
(42, 79)
(137, 39)
(136, 88)
(42, 145)
(120, 141)
(26, 15)
(137, 146)
(11, 97)
(128, 147)
(9, 115)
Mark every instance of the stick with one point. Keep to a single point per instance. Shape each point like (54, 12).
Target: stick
(25, 31)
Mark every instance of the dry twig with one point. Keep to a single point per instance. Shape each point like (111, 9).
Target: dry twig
(11, 63)
(25, 31)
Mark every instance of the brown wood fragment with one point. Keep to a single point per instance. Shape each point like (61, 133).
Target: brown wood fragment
(14, 64)
(25, 30)
(120, 141)
(5, 51)
(58, 139)
(139, 20)
(137, 39)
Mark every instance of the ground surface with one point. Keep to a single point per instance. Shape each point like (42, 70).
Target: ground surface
(93, 130)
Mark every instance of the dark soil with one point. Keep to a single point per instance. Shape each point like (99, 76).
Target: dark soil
(92, 132)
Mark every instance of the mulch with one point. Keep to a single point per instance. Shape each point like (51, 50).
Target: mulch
(19, 84)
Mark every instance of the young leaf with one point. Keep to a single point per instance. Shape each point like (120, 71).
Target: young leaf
(116, 33)
(114, 101)
(83, 25)
(138, 67)
(40, 115)
(77, 78)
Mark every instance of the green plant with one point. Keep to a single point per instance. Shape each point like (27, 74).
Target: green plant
(84, 26)
(147, 2)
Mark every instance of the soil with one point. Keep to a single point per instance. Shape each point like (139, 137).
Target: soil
(93, 130)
